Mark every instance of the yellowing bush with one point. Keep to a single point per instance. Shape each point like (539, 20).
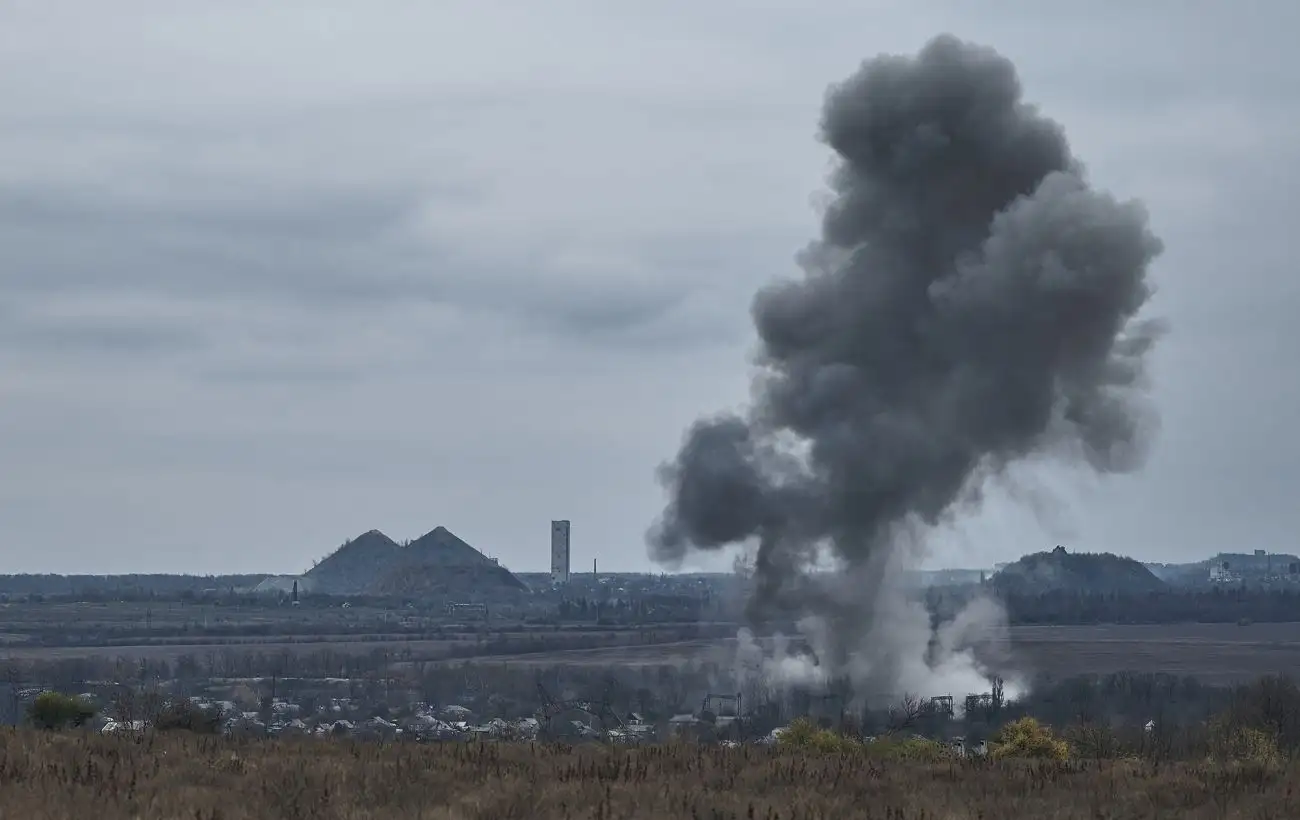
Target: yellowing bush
(802, 733)
(916, 749)
(799, 733)
(1229, 743)
(1027, 738)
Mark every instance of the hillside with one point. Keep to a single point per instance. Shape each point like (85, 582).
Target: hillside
(439, 563)
(462, 583)
(354, 567)
(440, 547)
(1060, 570)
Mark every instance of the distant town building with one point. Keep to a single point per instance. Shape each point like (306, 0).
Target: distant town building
(1223, 574)
(560, 552)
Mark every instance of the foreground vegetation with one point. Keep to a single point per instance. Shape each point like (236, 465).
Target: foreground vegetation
(175, 775)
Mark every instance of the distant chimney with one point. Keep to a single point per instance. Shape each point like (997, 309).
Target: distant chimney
(593, 567)
(295, 591)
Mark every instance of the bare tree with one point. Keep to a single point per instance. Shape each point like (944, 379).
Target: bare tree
(904, 713)
(131, 704)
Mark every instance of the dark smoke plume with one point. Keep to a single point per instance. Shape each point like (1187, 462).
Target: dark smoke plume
(971, 302)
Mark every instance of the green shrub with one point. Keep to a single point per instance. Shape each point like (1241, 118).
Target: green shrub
(915, 749)
(802, 733)
(55, 710)
(798, 734)
(1028, 738)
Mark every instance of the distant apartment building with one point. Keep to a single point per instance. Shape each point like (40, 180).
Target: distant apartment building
(1222, 574)
(1256, 566)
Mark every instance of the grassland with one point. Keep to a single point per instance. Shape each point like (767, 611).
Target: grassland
(1217, 654)
(168, 630)
(46, 776)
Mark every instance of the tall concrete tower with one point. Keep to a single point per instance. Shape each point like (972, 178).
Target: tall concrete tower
(559, 552)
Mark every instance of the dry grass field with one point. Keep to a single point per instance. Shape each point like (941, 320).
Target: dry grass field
(172, 651)
(46, 776)
(360, 644)
(1217, 654)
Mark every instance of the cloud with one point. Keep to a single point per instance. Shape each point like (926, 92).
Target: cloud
(95, 339)
(519, 240)
(198, 215)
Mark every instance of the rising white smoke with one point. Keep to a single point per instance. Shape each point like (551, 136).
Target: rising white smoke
(900, 652)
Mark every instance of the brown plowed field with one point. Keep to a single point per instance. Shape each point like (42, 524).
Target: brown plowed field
(1217, 654)
(1214, 653)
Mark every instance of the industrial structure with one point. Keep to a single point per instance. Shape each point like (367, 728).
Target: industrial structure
(560, 552)
(600, 710)
(479, 610)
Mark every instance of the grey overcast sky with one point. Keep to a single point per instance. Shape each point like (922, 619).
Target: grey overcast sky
(273, 274)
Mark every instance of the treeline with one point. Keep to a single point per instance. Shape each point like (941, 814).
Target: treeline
(1257, 724)
(1120, 715)
(638, 609)
(1159, 716)
(136, 585)
(1057, 607)
(387, 680)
